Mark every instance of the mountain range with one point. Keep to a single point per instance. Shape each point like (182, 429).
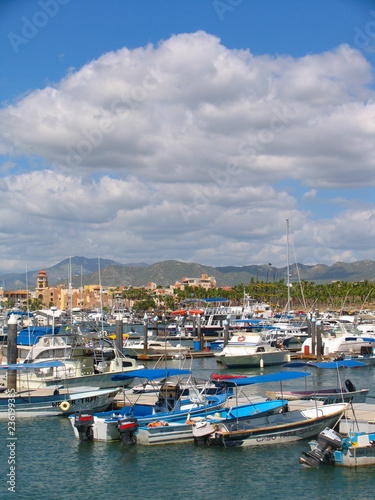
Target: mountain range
(81, 270)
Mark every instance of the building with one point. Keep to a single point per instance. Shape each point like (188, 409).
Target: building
(204, 281)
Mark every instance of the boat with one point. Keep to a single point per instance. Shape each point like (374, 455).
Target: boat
(355, 450)
(135, 348)
(346, 392)
(246, 350)
(339, 339)
(167, 432)
(84, 360)
(48, 401)
(107, 426)
(285, 427)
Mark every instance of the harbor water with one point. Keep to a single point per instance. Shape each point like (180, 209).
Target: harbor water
(49, 463)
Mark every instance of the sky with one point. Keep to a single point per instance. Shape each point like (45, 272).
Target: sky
(143, 131)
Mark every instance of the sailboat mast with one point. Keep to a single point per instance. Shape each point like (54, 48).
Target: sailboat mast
(287, 265)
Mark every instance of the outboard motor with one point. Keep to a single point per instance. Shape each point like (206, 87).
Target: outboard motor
(83, 421)
(350, 386)
(328, 441)
(127, 427)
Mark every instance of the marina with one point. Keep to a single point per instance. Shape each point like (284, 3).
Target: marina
(75, 468)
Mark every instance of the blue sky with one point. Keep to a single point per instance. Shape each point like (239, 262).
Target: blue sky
(217, 121)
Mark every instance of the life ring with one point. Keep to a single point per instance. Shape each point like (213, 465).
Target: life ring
(64, 406)
(242, 338)
(46, 342)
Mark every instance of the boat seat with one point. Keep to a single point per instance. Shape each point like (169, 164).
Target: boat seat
(215, 417)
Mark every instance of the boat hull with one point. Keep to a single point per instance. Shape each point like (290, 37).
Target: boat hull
(254, 360)
(355, 456)
(327, 397)
(50, 406)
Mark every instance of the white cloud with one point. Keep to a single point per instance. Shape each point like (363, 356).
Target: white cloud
(176, 151)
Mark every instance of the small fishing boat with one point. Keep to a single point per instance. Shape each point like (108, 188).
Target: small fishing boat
(355, 450)
(346, 392)
(50, 401)
(283, 427)
(167, 432)
(108, 426)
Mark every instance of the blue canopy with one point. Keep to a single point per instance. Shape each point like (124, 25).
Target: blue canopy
(31, 366)
(345, 363)
(273, 377)
(150, 374)
(19, 313)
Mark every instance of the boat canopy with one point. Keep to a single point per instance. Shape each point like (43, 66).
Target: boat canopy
(151, 374)
(273, 377)
(344, 363)
(32, 366)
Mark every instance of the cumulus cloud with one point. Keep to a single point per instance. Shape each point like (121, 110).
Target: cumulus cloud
(176, 151)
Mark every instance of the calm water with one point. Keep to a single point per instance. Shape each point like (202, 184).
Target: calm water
(52, 464)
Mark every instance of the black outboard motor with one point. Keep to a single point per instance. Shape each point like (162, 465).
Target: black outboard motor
(127, 427)
(83, 421)
(328, 441)
(350, 386)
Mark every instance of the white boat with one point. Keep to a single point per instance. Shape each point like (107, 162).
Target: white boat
(339, 338)
(50, 402)
(135, 348)
(83, 361)
(251, 351)
(283, 427)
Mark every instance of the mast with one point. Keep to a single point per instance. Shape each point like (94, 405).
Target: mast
(287, 265)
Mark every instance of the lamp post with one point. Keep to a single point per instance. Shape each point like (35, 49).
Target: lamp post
(319, 340)
(145, 330)
(200, 336)
(313, 335)
(53, 309)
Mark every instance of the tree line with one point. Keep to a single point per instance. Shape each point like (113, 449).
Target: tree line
(304, 295)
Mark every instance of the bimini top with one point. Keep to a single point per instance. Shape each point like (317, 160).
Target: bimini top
(150, 374)
(32, 366)
(344, 363)
(273, 377)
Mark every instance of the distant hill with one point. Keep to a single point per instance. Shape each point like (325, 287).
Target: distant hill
(168, 272)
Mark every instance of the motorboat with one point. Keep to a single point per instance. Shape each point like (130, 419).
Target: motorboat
(135, 348)
(167, 432)
(355, 450)
(339, 338)
(343, 392)
(84, 360)
(250, 350)
(284, 427)
(169, 405)
(29, 402)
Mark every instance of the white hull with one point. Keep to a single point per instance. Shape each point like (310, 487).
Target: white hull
(355, 456)
(254, 360)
